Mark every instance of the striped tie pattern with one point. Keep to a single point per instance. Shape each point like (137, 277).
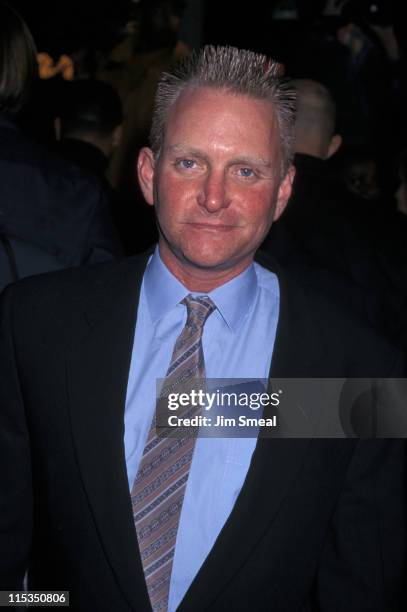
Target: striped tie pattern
(159, 487)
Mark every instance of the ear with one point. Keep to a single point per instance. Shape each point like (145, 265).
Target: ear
(334, 145)
(284, 192)
(145, 172)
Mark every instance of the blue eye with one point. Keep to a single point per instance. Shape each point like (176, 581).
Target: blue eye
(246, 172)
(187, 163)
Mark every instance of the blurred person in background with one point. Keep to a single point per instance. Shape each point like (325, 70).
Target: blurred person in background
(88, 130)
(317, 237)
(89, 124)
(52, 215)
(314, 185)
(369, 93)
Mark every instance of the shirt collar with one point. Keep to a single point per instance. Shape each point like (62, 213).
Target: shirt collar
(233, 299)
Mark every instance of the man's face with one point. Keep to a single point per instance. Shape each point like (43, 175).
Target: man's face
(216, 185)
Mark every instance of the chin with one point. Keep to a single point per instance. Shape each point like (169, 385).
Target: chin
(209, 261)
(212, 257)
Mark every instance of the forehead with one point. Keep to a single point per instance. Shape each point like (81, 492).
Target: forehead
(213, 118)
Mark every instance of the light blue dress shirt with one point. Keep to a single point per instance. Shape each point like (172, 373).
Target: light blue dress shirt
(238, 340)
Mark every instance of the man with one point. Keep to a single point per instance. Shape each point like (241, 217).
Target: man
(319, 237)
(310, 210)
(265, 524)
(308, 230)
(89, 124)
(88, 130)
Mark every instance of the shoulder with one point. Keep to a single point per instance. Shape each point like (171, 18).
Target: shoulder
(345, 345)
(59, 296)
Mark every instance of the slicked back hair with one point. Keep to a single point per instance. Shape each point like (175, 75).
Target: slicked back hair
(231, 70)
(18, 61)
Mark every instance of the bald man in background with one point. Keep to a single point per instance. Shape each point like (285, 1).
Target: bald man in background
(315, 123)
(315, 142)
(315, 237)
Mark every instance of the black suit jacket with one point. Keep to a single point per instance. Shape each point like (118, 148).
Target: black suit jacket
(55, 207)
(318, 526)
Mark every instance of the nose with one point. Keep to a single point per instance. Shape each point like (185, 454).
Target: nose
(213, 194)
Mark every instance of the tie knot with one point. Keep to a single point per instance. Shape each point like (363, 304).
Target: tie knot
(198, 309)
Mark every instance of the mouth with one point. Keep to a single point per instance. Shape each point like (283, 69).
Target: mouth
(212, 227)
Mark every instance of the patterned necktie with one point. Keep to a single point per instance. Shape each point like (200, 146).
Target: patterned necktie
(159, 487)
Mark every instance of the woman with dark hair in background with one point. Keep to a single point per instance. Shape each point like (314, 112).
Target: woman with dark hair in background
(18, 62)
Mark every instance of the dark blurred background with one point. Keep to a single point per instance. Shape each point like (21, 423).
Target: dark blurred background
(346, 224)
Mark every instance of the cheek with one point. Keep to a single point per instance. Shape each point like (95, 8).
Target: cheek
(259, 206)
(173, 193)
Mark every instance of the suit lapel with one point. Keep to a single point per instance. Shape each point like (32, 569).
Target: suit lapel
(97, 370)
(275, 462)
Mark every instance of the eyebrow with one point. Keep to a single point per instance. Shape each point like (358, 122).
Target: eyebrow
(255, 161)
(185, 150)
(242, 159)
